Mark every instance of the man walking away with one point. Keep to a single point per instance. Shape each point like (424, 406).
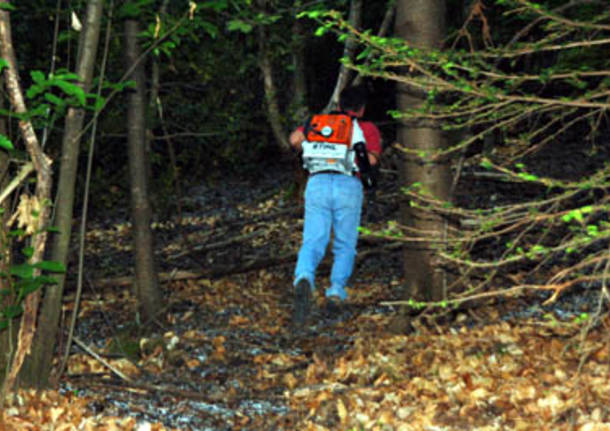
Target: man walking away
(337, 166)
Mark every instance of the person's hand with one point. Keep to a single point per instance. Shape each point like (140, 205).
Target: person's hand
(296, 139)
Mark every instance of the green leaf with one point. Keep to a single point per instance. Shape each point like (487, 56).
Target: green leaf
(313, 14)
(7, 6)
(67, 76)
(24, 270)
(239, 25)
(98, 105)
(592, 230)
(575, 214)
(134, 8)
(320, 31)
(527, 177)
(6, 143)
(51, 266)
(209, 28)
(16, 233)
(34, 91)
(72, 90)
(28, 251)
(13, 311)
(46, 279)
(216, 5)
(38, 77)
(364, 54)
(54, 99)
(485, 163)
(25, 287)
(364, 230)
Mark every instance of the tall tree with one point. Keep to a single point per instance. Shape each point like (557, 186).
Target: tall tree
(421, 24)
(37, 369)
(147, 285)
(42, 166)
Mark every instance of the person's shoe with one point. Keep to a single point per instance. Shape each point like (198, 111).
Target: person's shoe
(302, 302)
(333, 305)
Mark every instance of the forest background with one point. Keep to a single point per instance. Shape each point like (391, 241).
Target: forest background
(114, 102)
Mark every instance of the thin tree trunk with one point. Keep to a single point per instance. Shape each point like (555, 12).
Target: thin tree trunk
(38, 368)
(355, 20)
(299, 82)
(266, 65)
(42, 166)
(147, 285)
(299, 101)
(383, 30)
(7, 339)
(155, 69)
(421, 24)
(156, 115)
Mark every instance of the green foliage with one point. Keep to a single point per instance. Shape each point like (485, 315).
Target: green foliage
(134, 9)
(6, 143)
(50, 96)
(581, 318)
(536, 81)
(239, 25)
(18, 280)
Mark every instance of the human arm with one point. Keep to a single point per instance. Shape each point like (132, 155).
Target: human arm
(296, 139)
(372, 137)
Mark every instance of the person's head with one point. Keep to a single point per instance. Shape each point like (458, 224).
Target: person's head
(353, 99)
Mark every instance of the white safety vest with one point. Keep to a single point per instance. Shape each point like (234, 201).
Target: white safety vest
(326, 156)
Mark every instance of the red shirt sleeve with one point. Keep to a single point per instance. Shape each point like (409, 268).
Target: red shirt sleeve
(372, 136)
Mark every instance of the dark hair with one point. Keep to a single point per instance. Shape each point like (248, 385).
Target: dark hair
(353, 98)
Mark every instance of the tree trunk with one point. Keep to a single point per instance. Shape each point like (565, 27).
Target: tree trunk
(299, 77)
(38, 367)
(156, 121)
(147, 285)
(42, 167)
(421, 24)
(355, 20)
(384, 27)
(7, 338)
(266, 65)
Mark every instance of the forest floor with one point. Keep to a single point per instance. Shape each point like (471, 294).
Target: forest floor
(223, 354)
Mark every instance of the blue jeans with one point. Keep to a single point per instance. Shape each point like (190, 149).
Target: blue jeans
(332, 202)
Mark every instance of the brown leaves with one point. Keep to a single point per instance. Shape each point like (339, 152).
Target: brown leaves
(230, 341)
(50, 410)
(495, 377)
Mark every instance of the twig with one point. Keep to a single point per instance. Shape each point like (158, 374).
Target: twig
(220, 244)
(21, 176)
(86, 348)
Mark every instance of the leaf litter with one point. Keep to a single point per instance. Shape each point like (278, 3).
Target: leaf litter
(224, 355)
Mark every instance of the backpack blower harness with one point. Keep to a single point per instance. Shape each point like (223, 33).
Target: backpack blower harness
(335, 143)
